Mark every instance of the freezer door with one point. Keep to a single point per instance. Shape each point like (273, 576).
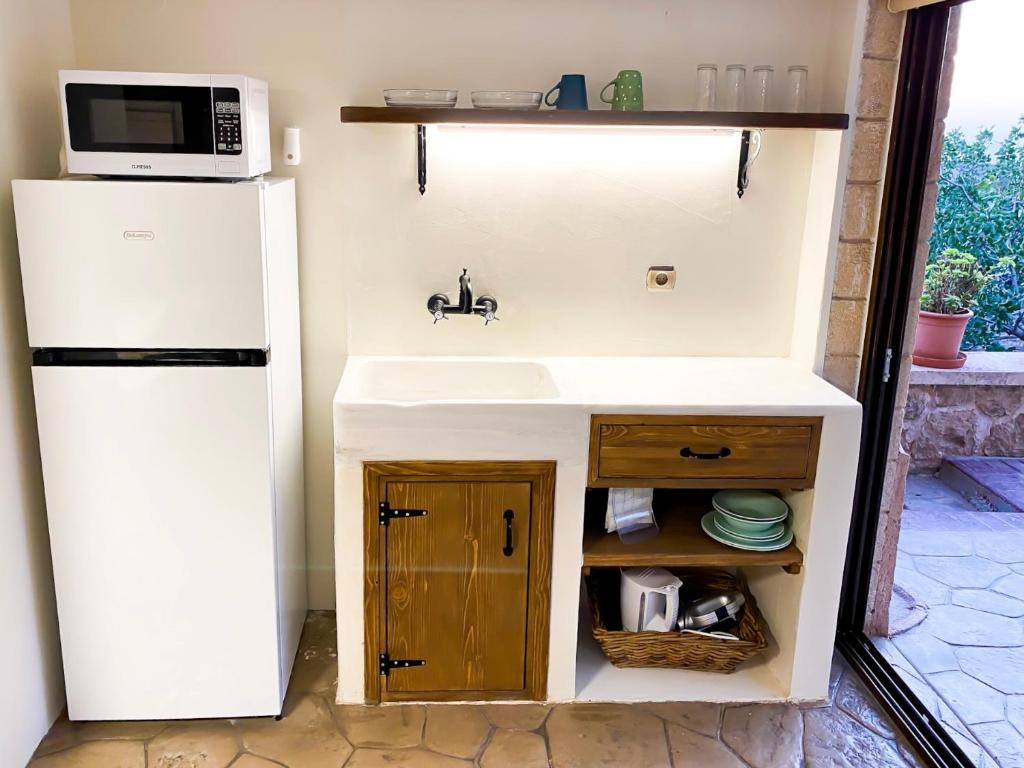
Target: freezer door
(142, 264)
(159, 495)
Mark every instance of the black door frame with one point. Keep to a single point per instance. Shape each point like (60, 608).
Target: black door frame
(910, 147)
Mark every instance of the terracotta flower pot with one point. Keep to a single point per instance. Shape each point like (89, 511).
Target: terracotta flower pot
(937, 344)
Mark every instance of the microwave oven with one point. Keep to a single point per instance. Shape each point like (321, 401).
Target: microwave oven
(150, 124)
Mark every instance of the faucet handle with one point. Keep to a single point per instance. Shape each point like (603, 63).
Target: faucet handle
(488, 308)
(436, 306)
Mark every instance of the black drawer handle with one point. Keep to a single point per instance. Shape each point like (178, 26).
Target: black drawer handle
(507, 549)
(686, 453)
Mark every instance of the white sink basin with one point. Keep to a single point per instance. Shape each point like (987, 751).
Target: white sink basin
(409, 381)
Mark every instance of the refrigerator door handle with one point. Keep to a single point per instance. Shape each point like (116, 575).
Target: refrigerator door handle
(109, 357)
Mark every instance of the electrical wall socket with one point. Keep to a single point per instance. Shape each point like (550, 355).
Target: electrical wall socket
(661, 278)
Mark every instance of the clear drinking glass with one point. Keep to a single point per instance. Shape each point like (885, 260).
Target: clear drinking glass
(735, 86)
(707, 87)
(796, 97)
(763, 75)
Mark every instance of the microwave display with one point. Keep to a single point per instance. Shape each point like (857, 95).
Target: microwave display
(172, 119)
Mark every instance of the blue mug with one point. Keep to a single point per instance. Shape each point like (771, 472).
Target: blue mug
(572, 93)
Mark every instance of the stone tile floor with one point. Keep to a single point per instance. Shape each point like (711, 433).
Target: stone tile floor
(316, 733)
(964, 566)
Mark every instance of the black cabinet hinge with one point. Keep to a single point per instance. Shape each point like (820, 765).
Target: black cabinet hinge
(386, 663)
(385, 513)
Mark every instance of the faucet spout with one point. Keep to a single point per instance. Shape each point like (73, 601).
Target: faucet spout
(465, 294)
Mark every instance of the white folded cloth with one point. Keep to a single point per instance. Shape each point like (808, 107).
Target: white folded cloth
(629, 508)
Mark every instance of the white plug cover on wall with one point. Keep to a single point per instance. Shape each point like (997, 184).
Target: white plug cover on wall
(292, 150)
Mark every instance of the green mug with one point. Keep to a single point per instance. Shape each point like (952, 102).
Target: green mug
(628, 95)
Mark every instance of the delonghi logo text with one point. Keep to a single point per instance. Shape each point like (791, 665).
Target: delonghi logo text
(138, 234)
(142, 166)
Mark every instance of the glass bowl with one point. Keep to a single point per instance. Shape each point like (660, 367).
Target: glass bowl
(420, 97)
(506, 99)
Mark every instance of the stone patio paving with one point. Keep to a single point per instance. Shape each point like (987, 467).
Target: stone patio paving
(315, 733)
(964, 567)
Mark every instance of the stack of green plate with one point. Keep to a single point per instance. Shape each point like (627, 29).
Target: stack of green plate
(753, 520)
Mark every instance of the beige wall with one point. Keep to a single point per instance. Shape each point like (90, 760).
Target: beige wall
(560, 225)
(35, 41)
(366, 236)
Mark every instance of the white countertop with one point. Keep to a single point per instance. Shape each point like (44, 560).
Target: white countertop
(590, 382)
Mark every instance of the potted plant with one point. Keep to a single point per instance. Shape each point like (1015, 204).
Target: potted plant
(952, 283)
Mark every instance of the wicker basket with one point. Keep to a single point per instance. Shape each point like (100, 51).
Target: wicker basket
(673, 649)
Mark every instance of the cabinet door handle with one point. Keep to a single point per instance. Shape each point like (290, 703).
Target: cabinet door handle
(508, 549)
(688, 453)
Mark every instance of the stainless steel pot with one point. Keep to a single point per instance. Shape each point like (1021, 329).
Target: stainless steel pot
(710, 610)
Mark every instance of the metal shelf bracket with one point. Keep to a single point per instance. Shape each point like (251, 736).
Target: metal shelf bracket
(751, 143)
(421, 156)
(742, 179)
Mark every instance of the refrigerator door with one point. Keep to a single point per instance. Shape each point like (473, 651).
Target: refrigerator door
(142, 264)
(159, 494)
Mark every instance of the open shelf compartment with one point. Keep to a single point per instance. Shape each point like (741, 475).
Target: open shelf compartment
(778, 674)
(597, 679)
(681, 542)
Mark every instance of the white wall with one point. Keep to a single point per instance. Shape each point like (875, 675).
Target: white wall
(539, 221)
(35, 41)
(814, 283)
(527, 44)
(561, 226)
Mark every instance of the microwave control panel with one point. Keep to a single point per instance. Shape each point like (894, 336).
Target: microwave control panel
(227, 121)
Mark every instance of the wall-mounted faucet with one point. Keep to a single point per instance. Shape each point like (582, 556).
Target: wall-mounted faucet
(440, 306)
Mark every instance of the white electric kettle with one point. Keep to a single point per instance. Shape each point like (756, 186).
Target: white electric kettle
(649, 600)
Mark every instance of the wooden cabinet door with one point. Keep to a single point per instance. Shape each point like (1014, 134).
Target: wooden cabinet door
(455, 594)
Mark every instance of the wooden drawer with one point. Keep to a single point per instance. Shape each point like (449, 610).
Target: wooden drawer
(703, 451)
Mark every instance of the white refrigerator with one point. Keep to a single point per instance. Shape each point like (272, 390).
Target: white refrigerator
(164, 324)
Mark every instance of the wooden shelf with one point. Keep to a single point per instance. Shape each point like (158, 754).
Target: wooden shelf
(681, 543)
(554, 117)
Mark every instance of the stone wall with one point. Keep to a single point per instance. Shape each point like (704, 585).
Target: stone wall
(962, 421)
(977, 410)
(858, 229)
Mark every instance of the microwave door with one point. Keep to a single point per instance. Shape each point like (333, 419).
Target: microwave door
(125, 129)
(139, 118)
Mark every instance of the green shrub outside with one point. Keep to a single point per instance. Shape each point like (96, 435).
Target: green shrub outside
(980, 211)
